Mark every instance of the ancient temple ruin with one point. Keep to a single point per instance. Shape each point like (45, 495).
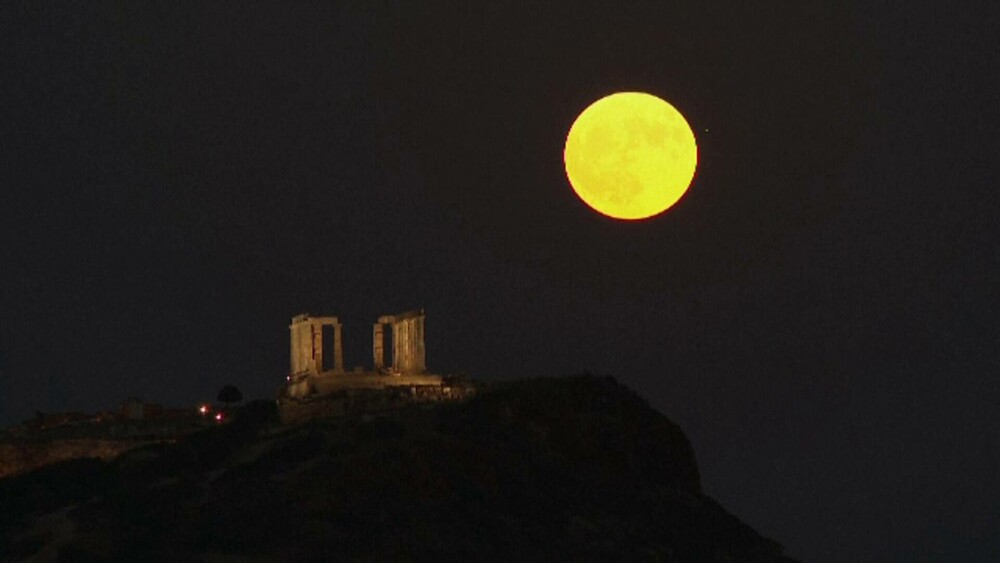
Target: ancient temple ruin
(310, 346)
(318, 385)
(307, 344)
(408, 355)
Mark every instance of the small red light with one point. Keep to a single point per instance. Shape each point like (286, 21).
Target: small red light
(218, 416)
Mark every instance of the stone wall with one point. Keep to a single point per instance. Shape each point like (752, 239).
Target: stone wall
(371, 400)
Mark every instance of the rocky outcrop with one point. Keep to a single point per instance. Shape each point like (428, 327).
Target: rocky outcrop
(573, 468)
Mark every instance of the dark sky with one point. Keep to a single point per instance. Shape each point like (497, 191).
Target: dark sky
(819, 313)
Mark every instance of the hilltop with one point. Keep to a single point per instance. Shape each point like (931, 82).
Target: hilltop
(575, 468)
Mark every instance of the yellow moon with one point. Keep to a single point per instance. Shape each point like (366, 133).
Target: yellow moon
(630, 155)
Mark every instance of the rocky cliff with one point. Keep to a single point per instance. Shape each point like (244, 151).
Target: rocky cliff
(575, 468)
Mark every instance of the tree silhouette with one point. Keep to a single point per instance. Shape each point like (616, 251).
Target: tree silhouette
(229, 394)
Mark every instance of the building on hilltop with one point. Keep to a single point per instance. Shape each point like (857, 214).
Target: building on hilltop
(310, 345)
(316, 361)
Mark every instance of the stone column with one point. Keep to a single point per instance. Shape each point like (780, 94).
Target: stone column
(411, 364)
(338, 348)
(401, 354)
(378, 346)
(399, 346)
(317, 346)
(301, 345)
(409, 345)
(293, 352)
(420, 350)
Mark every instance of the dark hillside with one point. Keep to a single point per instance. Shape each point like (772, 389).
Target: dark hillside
(576, 468)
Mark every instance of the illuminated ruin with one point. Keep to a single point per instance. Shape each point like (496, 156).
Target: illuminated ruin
(307, 344)
(408, 355)
(316, 361)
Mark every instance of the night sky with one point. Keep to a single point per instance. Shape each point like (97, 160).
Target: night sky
(819, 312)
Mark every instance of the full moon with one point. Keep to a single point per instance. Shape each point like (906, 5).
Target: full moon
(630, 155)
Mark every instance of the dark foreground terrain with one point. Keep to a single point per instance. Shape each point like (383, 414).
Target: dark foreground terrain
(567, 469)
